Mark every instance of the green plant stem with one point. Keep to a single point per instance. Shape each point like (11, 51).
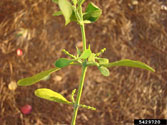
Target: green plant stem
(76, 105)
(84, 69)
(82, 28)
(83, 36)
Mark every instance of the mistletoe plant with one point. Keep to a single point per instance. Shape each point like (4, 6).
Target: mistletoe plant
(72, 11)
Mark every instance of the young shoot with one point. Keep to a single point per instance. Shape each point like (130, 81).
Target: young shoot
(72, 12)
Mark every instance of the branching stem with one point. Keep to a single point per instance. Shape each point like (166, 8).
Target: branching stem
(84, 69)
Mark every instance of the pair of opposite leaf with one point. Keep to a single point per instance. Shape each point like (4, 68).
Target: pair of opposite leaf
(70, 13)
(102, 63)
(87, 54)
(56, 97)
(62, 62)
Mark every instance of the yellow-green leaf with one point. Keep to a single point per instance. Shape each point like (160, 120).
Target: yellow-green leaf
(36, 78)
(91, 58)
(104, 71)
(130, 63)
(62, 62)
(66, 8)
(51, 95)
(103, 60)
(85, 54)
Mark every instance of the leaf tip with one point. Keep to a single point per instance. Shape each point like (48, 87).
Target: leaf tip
(153, 70)
(20, 83)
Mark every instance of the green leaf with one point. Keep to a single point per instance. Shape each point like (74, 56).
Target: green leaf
(104, 71)
(62, 62)
(36, 78)
(55, 1)
(103, 60)
(91, 58)
(46, 78)
(92, 12)
(58, 13)
(51, 95)
(130, 63)
(73, 17)
(85, 54)
(66, 8)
